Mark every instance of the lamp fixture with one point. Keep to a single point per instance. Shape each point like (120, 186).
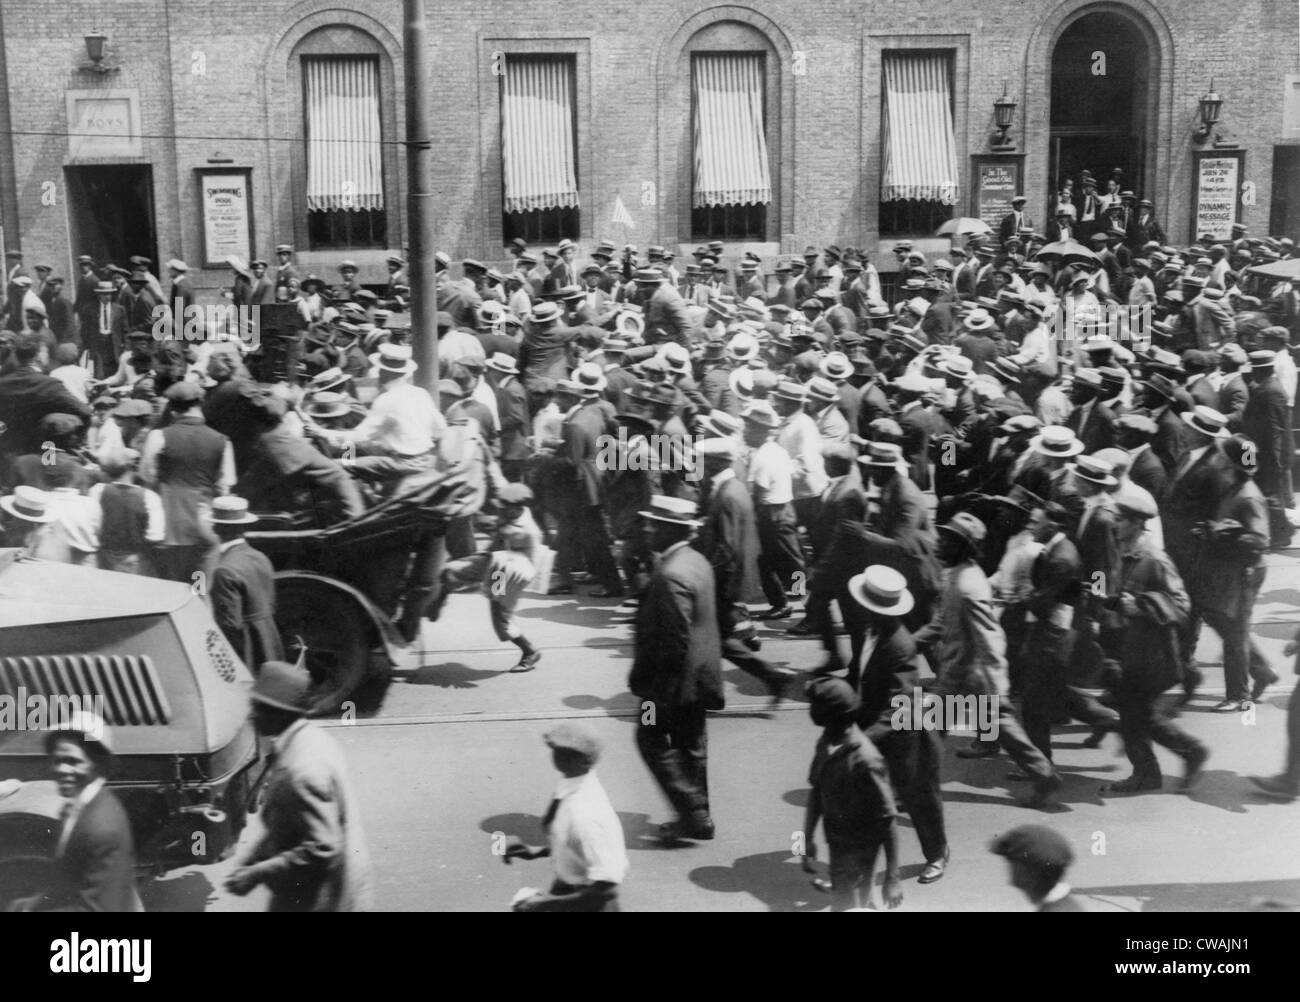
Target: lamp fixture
(95, 42)
(1211, 105)
(1004, 110)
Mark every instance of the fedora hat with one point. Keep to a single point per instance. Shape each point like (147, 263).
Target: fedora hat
(882, 590)
(678, 511)
(886, 455)
(29, 504)
(394, 358)
(1006, 369)
(967, 527)
(1162, 384)
(1094, 470)
(1056, 440)
(501, 362)
(1207, 421)
(325, 404)
(283, 686)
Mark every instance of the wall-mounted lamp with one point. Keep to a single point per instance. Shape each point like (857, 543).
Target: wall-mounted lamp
(95, 42)
(1211, 105)
(1004, 110)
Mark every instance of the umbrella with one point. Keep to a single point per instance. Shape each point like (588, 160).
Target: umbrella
(1278, 269)
(1068, 250)
(963, 226)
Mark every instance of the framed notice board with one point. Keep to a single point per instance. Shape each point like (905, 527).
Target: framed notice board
(995, 180)
(1216, 201)
(225, 213)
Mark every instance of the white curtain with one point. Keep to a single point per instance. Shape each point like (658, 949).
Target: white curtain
(537, 134)
(730, 143)
(920, 149)
(344, 154)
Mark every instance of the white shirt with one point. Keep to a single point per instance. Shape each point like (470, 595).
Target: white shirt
(801, 439)
(1011, 582)
(1285, 369)
(771, 474)
(74, 378)
(586, 838)
(78, 805)
(403, 421)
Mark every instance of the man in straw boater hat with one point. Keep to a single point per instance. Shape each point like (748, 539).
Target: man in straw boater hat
(676, 670)
(967, 648)
(243, 586)
(729, 539)
(889, 687)
(27, 511)
(397, 437)
(502, 374)
(312, 855)
(770, 478)
(584, 836)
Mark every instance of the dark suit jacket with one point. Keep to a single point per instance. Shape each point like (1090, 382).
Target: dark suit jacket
(1055, 577)
(872, 404)
(1203, 392)
(1266, 420)
(678, 648)
(1095, 427)
(516, 424)
(1147, 471)
(1233, 396)
(1007, 228)
(890, 670)
(1230, 569)
(666, 311)
(26, 396)
(243, 604)
(980, 349)
(580, 449)
(903, 514)
(844, 499)
(918, 425)
(729, 540)
(1098, 547)
(97, 870)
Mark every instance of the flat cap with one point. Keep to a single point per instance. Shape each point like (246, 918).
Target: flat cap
(1034, 844)
(60, 424)
(575, 738)
(833, 695)
(185, 391)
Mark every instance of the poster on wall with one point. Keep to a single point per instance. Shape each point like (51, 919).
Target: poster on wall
(226, 207)
(1217, 204)
(997, 181)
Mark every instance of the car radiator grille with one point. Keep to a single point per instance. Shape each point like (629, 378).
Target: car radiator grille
(124, 689)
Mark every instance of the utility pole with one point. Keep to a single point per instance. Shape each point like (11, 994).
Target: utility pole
(419, 197)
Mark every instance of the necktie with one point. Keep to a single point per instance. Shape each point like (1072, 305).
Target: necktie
(552, 809)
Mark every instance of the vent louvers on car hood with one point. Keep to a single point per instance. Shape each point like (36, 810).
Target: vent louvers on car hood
(127, 686)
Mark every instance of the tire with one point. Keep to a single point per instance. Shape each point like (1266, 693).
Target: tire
(337, 634)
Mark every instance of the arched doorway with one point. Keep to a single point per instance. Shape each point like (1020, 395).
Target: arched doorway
(1102, 103)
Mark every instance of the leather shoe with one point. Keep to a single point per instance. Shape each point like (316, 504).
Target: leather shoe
(1134, 784)
(564, 589)
(935, 868)
(802, 629)
(681, 831)
(1195, 760)
(527, 663)
(783, 612)
(978, 751)
(1228, 706)
(1261, 684)
(1276, 787)
(1045, 793)
(1095, 738)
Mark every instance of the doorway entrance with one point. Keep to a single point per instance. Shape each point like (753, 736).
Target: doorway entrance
(1101, 104)
(111, 213)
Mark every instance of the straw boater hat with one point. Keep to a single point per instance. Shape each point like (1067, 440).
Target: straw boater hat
(394, 359)
(1058, 441)
(231, 510)
(978, 320)
(718, 422)
(836, 365)
(1094, 470)
(588, 380)
(743, 346)
(327, 405)
(882, 590)
(29, 504)
(677, 511)
(822, 390)
(328, 379)
(883, 454)
(761, 413)
(502, 362)
(967, 527)
(1207, 421)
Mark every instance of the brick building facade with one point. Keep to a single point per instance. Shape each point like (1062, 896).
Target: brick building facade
(198, 87)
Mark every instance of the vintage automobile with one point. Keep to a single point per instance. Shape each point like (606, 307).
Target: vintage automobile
(146, 655)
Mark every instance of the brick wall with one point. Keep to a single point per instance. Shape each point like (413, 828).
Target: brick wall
(634, 105)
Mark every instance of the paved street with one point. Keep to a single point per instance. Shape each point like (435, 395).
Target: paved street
(451, 758)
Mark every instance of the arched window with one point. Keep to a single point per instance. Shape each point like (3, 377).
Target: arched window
(343, 169)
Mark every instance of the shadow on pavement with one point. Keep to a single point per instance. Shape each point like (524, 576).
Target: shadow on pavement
(451, 675)
(187, 892)
(774, 878)
(621, 707)
(1250, 895)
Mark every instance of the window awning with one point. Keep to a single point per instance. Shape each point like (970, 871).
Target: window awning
(537, 134)
(344, 153)
(920, 151)
(730, 141)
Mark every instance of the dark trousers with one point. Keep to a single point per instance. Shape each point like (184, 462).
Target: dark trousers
(806, 513)
(582, 532)
(607, 902)
(746, 660)
(780, 564)
(675, 748)
(1292, 771)
(1046, 689)
(852, 869)
(423, 584)
(914, 759)
(182, 563)
(1141, 723)
(1241, 657)
(637, 562)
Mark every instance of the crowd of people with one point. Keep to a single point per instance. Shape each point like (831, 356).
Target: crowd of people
(978, 462)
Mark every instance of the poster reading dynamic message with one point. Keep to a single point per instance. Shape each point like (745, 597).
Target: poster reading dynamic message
(1217, 207)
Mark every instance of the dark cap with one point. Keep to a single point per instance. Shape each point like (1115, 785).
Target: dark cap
(1036, 845)
(834, 695)
(59, 424)
(184, 392)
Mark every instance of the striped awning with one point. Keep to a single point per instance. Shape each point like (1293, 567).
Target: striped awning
(537, 134)
(344, 153)
(730, 140)
(920, 149)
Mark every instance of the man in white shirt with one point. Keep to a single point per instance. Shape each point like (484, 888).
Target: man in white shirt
(1275, 339)
(770, 476)
(799, 437)
(584, 836)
